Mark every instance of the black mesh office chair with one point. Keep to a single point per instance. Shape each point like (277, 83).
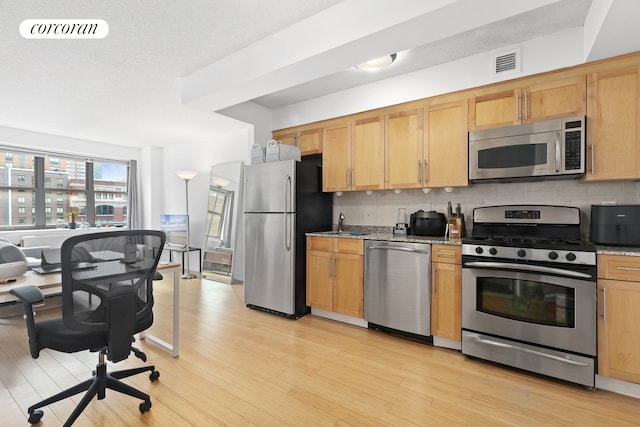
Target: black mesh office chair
(107, 297)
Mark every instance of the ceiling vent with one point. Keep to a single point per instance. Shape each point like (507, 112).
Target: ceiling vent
(506, 63)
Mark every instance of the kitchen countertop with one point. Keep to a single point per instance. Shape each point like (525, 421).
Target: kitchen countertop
(384, 233)
(386, 236)
(617, 250)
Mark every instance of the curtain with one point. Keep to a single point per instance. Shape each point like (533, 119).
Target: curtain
(133, 217)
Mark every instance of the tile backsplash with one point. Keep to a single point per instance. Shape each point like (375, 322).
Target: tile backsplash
(381, 207)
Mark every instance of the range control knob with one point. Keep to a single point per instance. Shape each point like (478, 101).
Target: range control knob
(521, 253)
(493, 251)
(553, 255)
(571, 256)
(479, 250)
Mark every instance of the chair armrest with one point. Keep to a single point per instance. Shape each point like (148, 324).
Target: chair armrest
(28, 294)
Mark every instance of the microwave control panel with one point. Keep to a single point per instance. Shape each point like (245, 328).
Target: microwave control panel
(573, 150)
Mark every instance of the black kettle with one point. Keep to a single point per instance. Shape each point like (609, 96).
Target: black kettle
(429, 223)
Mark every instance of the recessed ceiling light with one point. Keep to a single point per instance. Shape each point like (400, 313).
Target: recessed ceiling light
(377, 64)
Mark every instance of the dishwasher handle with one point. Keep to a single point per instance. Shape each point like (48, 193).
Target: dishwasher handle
(397, 248)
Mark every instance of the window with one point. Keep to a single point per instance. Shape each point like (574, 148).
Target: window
(104, 210)
(44, 189)
(216, 212)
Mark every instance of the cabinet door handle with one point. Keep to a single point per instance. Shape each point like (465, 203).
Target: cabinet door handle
(424, 171)
(604, 305)
(351, 180)
(419, 172)
(628, 268)
(593, 159)
(335, 267)
(329, 267)
(526, 105)
(346, 178)
(434, 281)
(517, 106)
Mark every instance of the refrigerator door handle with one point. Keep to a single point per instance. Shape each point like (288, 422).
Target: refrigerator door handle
(287, 193)
(287, 215)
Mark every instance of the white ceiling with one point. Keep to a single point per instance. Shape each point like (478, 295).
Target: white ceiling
(137, 86)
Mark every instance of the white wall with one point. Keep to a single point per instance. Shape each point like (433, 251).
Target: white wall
(556, 51)
(66, 145)
(197, 156)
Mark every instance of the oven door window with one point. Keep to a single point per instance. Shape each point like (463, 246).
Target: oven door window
(526, 300)
(513, 156)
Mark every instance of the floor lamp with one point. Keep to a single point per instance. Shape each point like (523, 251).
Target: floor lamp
(187, 175)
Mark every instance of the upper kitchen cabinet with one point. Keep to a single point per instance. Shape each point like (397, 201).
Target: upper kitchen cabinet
(367, 154)
(403, 149)
(309, 140)
(613, 140)
(336, 158)
(446, 145)
(540, 98)
(353, 155)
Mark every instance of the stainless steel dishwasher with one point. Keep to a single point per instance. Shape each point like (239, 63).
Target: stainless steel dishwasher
(397, 286)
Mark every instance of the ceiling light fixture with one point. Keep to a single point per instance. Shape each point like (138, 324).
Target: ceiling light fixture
(377, 64)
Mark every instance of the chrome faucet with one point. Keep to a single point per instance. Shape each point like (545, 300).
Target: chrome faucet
(341, 222)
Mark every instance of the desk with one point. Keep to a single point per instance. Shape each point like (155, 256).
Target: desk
(51, 284)
(173, 249)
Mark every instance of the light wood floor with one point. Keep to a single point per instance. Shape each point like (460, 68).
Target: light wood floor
(240, 367)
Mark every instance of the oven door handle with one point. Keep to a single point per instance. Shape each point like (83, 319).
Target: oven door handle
(527, 267)
(525, 350)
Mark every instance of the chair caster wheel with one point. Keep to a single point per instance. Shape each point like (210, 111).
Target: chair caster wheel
(154, 375)
(145, 406)
(35, 416)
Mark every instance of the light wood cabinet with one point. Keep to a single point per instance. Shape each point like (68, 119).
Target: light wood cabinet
(613, 109)
(446, 147)
(403, 149)
(367, 154)
(335, 275)
(336, 158)
(353, 156)
(309, 140)
(446, 292)
(619, 317)
(542, 98)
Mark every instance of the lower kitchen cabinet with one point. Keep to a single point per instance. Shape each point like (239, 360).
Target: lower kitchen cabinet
(619, 317)
(446, 292)
(335, 275)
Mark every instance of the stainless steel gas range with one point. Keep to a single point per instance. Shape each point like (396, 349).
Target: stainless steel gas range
(529, 291)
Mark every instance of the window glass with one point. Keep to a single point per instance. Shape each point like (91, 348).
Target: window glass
(66, 189)
(16, 176)
(110, 185)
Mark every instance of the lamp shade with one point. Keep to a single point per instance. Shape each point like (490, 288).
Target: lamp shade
(186, 175)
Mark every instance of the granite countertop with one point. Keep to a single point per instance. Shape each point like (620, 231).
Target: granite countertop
(383, 233)
(364, 232)
(617, 250)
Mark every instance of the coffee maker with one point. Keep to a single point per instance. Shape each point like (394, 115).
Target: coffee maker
(402, 227)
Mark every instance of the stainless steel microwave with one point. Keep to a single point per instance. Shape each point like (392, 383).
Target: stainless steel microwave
(532, 151)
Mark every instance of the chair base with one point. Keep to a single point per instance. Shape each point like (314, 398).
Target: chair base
(97, 386)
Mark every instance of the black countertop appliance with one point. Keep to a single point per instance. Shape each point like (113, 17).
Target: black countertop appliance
(615, 225)
(429, 223)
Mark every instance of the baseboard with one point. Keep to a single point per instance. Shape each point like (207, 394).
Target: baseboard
(340, 317)
(618, 386)
(447, 343)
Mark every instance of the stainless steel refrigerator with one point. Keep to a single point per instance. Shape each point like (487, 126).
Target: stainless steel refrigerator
(282, 201)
